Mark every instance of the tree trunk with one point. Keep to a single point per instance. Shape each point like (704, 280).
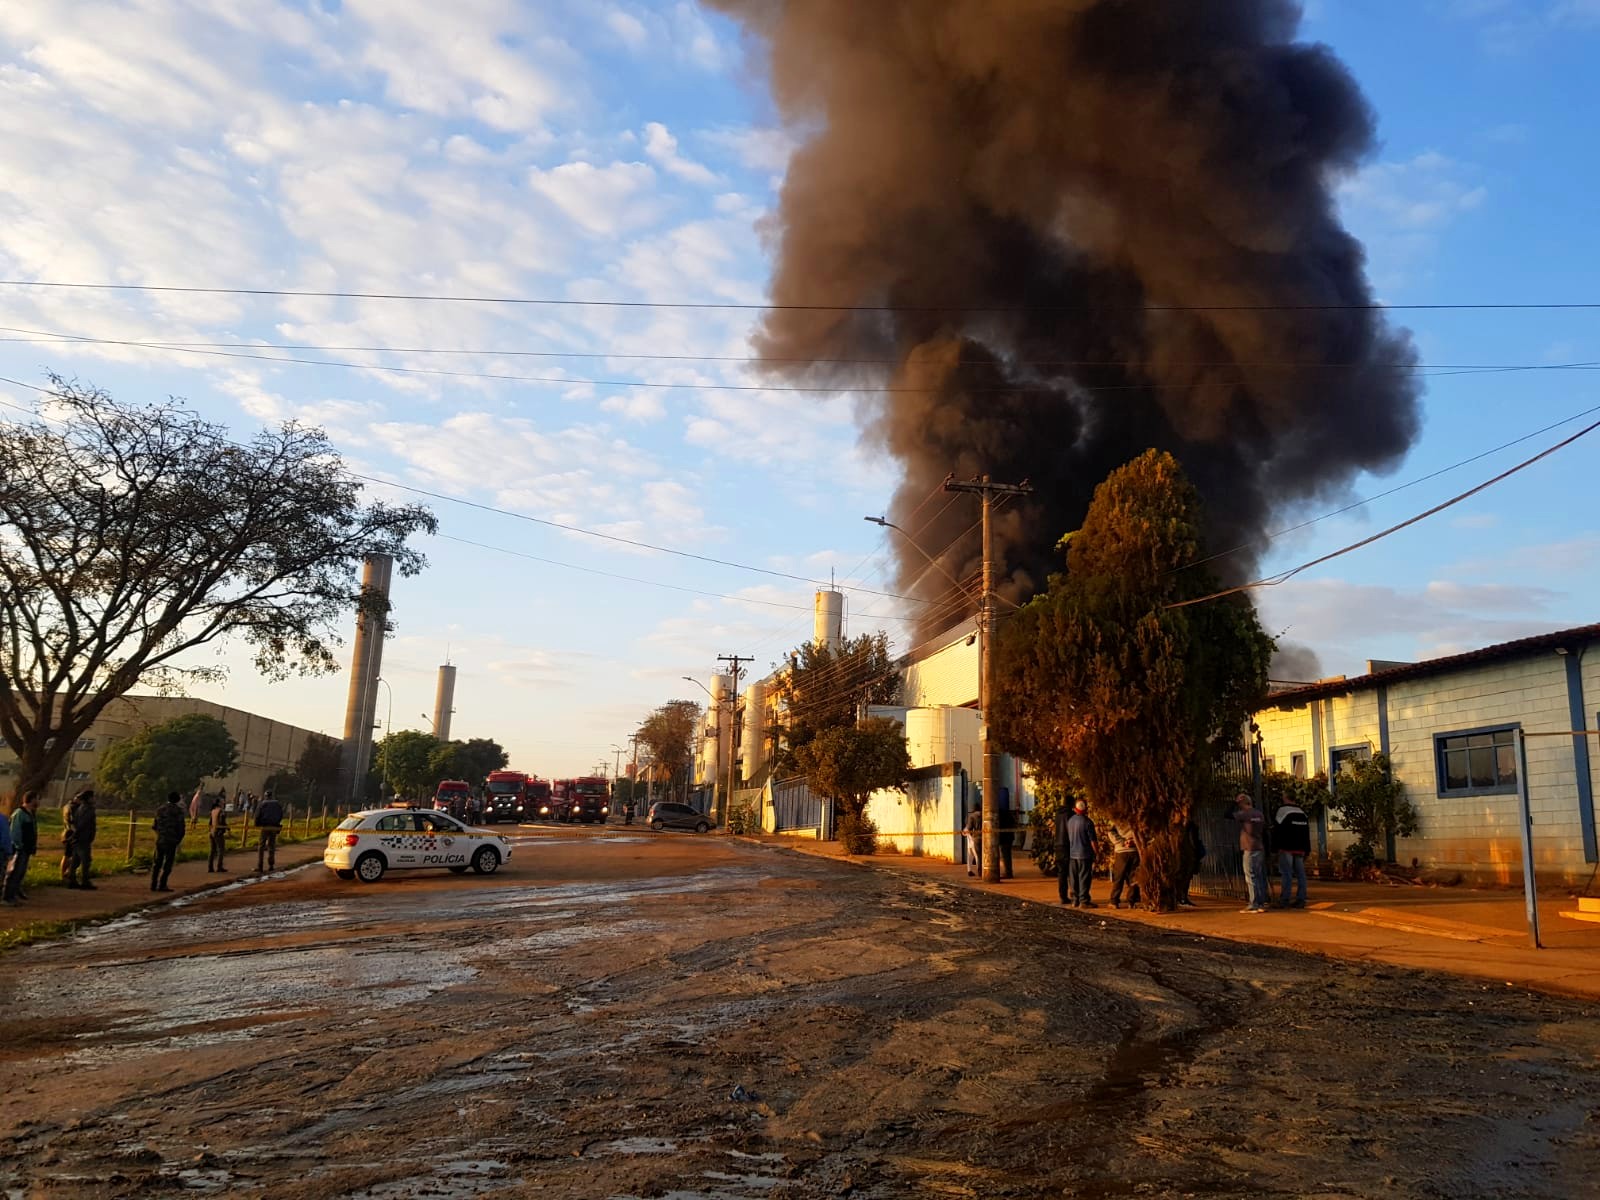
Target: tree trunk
(1161, 865)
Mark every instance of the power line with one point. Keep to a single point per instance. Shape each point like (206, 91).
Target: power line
(733, 306)
(47, 337)
(1283, 576)
(1265, 538)
(1029, 389)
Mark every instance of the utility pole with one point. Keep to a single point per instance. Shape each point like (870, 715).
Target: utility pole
(987, 490)
(735, 662)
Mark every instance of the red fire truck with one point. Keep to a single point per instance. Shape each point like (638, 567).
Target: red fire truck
(507, 796)
(586, 799)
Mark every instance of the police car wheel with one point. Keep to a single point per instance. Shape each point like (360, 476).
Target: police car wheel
(370, 867)
(458, 870)
(702, 827)
(345, 874)
(658, 826)
(486, 861)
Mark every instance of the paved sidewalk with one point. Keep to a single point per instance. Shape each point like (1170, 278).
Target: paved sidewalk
(1467, 931)
(125, 891)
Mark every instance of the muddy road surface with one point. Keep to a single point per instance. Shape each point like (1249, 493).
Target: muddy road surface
(638, 1015)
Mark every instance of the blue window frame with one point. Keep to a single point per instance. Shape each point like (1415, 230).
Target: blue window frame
(1476, 762)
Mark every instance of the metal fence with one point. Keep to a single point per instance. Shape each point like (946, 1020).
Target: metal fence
(794, 807)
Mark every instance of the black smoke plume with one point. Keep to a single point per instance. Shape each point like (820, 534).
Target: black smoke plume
(1069, 230)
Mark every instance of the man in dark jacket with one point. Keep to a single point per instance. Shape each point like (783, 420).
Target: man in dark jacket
(269, 819)
(1291, 837)
(77, 840)
(1007, 820)
(1079, 844)
(219, 837)
(24, 845)
(171, 824)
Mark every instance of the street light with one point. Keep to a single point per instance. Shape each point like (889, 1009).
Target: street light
(887, 524)
(388, 719)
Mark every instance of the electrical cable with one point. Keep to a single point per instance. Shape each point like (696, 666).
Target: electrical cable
(735, 306)
(1283, 576)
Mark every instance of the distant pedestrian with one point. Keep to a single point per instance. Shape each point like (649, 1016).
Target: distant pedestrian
(1007, 819)
(1253, 848)
(5, 848)
(1291, 838)
(973, 832)
(24, 828)
(170, 828)
(219, 837)
(269, 819)
(1082, 846)
(1124, 866)
(77, 840)
(1191, 852)
(197, 805)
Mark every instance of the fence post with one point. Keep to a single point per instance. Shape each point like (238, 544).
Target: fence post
(244, 832)
(131, 829)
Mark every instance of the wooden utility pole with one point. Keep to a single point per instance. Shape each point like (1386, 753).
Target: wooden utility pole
(735, 662)
(986, 490)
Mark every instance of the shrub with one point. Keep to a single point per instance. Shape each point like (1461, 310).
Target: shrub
(857, 833)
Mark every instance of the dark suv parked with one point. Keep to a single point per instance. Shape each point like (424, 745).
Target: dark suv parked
(666, 815)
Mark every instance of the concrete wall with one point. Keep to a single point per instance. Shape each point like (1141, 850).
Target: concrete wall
(947, 676)
(923, 820)
(265, 746)
(1478, 834)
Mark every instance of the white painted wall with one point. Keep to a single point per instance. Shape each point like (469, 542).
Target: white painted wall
(947, 676)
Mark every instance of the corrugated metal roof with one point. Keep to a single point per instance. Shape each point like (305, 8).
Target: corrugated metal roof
(1520, 648)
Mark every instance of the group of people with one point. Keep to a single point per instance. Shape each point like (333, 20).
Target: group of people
(1290, 836)
(19, 839)
(1079, 847)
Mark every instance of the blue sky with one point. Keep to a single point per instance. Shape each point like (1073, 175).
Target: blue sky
(626, 151)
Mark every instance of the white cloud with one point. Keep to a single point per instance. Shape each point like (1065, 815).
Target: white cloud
(629, 28)
(1400, 210)
(662, 148)
(603, 200)
(756, 148)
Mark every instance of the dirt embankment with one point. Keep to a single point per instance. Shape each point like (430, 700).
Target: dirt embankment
(673, 1016)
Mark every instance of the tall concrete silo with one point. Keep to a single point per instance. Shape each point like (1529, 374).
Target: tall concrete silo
(753, 740)
(827, 625)
(444, 700)
(366, 663)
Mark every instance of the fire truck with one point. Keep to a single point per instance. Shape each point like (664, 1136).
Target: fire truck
(586, 799)
(507, 796)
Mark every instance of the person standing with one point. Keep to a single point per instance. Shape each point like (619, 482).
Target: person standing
(170, 826)
(1190, 854)
(197, 804)
(219, 837)
(24, 845)
(269, 820)
(1291, 837)
(1007, 821)
(5, 850)
(973, 831)
(1253, 848)
(77, 840)
(1082, 846)
(1124, 863)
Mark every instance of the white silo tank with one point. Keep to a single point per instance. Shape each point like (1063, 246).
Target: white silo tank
(943, 734)
(827, 626)
(721, 721)
(753, 742)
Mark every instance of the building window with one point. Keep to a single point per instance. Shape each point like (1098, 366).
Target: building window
(1343, 757)
(1297, 764)
(84, 743)
(1476, 762)
(1268, 764)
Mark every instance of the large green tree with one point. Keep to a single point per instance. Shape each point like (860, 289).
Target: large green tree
(403, 761)
(668, 734)
(825, 688)
(847, 763)
(171, 757)
(470, 760)
(132, 535)
(317, 768)
(1108, 679)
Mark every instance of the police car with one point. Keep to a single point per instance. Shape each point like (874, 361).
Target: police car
(368, 844)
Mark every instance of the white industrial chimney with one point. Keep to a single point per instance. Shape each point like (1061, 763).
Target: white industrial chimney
(753, 742)
(827, 627)
(444, 700)
(366, 664)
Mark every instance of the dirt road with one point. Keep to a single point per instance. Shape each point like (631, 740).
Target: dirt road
(637, 1015)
